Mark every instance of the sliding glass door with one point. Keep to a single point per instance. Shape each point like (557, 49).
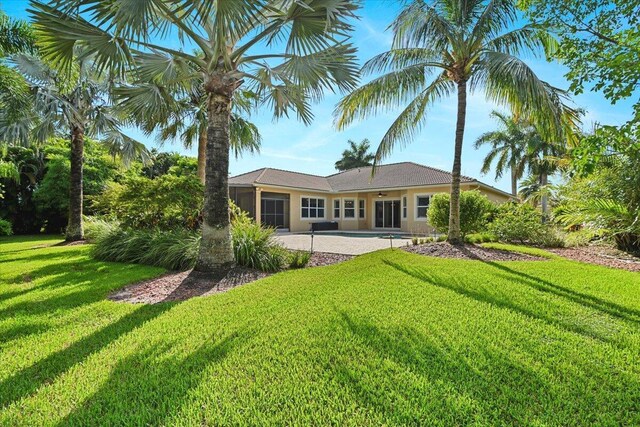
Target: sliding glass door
(387, 214)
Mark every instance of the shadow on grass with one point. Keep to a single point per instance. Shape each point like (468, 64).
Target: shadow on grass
(454, 284)
(28, 380)
(84, 282)
(21, 331)
(586, 300)
(442, 384)
(150, 387)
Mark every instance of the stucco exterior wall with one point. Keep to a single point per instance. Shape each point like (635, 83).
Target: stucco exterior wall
(410, 224)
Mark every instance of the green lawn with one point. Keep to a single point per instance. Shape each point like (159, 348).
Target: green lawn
(387, 338)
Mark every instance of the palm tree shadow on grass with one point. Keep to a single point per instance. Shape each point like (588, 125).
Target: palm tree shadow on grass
(147, 388)
(26, 381)
(448, 374)
(495, 300)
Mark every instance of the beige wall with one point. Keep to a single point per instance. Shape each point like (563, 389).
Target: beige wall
(410, 225)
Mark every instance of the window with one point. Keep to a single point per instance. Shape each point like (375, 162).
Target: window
(404, 207)
(361, 213)
(336, 208)
(312, 207)
(349, 208)
(422, 205)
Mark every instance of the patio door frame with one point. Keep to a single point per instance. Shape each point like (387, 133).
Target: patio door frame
(397, 202)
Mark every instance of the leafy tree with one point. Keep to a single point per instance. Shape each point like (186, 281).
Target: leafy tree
(306, 55)
(448, 47)
(357, 155)
(599, 42)
(474, 211)
(509, 146)
(73, 104)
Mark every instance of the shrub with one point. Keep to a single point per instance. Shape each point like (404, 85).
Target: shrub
(173, 250)
(474, 211)
(299, 259)
(480, 238)
(580, 237)
(166, 203)
(255, 247)
(522, 223)
(5, 228)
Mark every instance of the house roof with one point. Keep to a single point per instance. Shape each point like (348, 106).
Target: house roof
(394, 175)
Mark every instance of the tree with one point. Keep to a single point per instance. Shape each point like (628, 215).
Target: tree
(544, 159)
(464, 45)
(509, 146)
(175, 112)
(74, 104)
(357, 155)
(307, 54)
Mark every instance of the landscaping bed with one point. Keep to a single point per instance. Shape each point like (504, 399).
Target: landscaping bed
(601, 255)
(469, 251)
(180, 286)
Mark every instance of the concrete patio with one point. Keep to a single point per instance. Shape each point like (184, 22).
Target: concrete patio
(347, 245)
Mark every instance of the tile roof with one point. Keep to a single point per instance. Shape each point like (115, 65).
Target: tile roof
(395, 175)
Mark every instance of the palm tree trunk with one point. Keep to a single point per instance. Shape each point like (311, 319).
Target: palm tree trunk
(202, 155)
(544, 197)
(514, 182)
(75, 229)
(454, 207)
(216, 252)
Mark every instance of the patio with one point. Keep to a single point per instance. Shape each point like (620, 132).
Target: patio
(348, 245)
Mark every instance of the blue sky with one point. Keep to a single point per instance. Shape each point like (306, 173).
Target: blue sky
(288, 144)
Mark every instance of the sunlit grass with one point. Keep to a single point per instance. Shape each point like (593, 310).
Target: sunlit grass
(387, 338)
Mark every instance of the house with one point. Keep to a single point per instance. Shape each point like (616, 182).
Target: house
(396, 198)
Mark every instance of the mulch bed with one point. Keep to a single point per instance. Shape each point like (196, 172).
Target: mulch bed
(468, 251)
(319, 259)
(179, 286)
(601, 255)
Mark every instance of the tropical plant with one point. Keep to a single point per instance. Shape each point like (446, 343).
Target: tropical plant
(167, 202)
(73, 104)
(357, 155)
(5, 228)
(180, 112)
(508, 146)
(475, 209)
(306, 54)
(544, 159)
(465, 46)
(254, 246)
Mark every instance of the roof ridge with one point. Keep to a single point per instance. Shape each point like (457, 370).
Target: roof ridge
(247, 173)
(440, 170)
(299, 173)
(369, 166)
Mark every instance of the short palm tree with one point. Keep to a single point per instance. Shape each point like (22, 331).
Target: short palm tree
(446, 47)
(544, 158)
(286, 52)
(357, 155)
(508, 146)
(178, 111)
(75, 105)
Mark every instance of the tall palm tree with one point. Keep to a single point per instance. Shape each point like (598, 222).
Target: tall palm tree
(446, 47)
(74, 105)
(508, 146)
(357, 155)
(176, 112)
(287, 52)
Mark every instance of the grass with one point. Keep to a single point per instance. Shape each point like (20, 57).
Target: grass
(386, 338)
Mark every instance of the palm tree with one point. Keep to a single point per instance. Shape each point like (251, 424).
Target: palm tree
(181, 113)
(357, 155)
(447, 47)
(306, 53)
(76, 105)
(508, 146)
(544, 159)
